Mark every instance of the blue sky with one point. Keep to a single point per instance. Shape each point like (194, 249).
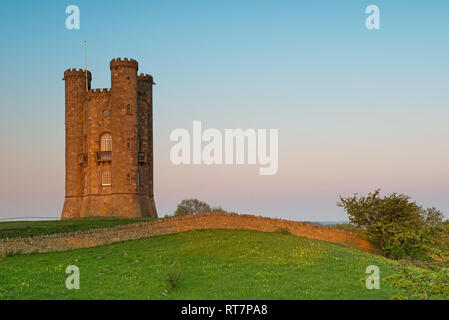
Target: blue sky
(356, 109)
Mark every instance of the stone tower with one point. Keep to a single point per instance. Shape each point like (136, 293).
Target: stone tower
(109, 144)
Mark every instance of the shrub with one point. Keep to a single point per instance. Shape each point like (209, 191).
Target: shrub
(429, 282)
(194, 206)
(173, 276)
(191, 206)
(395, 224)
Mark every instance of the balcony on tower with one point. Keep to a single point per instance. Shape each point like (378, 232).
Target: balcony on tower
(104, 156)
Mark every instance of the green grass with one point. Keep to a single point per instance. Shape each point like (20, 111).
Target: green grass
(212, 264)
(14, 229)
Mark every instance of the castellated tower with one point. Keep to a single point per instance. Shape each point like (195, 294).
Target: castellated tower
(109, 144)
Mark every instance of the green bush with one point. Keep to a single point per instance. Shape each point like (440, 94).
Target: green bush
(395, 224)
(429, 282)
(194, 206)
(173, 276)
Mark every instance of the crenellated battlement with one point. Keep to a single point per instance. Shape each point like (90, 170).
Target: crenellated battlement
(77, 73)
(124, 63)
(103, 93)
(145, 77)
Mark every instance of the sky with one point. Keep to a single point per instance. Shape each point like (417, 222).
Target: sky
(355, 109)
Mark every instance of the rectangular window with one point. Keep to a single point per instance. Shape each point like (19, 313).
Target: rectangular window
(106, 143)
(106, 179)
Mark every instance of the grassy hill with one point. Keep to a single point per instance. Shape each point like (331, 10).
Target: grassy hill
(211, 264)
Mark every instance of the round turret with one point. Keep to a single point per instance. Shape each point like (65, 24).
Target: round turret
(76, 88)
(77, 73)
(123, 63)
(145, 77)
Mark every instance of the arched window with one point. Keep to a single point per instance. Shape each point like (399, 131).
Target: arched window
(106, 179)
(106, 142)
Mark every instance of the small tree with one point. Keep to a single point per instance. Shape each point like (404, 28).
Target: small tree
(191, 206)
(394, 223)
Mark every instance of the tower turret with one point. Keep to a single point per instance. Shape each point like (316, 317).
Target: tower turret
(76, 86)
(145, 141)
(124, 135)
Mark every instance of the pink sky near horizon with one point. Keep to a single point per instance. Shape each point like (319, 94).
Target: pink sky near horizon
(307, 185)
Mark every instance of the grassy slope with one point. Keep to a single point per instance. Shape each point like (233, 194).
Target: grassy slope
(15, 229)
(215, 264)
